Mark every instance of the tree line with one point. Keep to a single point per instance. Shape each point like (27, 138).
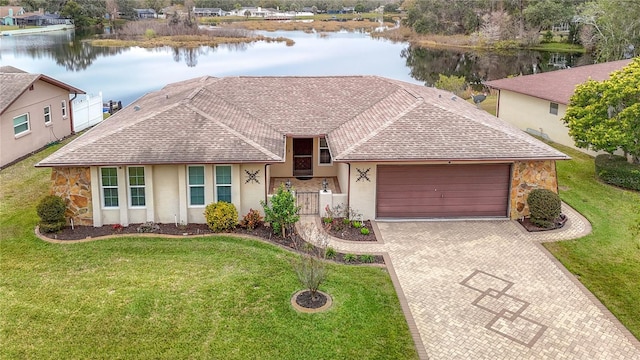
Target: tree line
(608, 28)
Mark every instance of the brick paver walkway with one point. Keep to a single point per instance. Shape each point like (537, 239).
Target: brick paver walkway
(489, 290)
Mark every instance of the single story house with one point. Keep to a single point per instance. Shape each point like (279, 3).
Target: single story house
(9, 13)
(145, 13)
(208, 12)
(35, 110)
(537, 103)
(386, 148)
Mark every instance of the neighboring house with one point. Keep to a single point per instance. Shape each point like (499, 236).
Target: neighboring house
(9, 13)
(208, 12)
(388, 149)
(145, 13)
(537, 103)
(35, 110)
(40, 19)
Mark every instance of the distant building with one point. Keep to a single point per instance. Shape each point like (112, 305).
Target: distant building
(145, 13)
(208, 12)
(8, 14)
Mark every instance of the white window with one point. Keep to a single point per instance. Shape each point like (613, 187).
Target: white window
(136, 187)
(196, 185)
(325, 155)
(553, 108)
(223, 183)
(109, 183)
(47, 114)
(21, 124)
(64, 109)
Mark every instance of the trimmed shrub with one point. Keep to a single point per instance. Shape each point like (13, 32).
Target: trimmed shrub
(364, 231)
(349, 258)
(251, 220)
(544, 206)
(221, 216)
(615, 170)
(51, 212)
(367, 259)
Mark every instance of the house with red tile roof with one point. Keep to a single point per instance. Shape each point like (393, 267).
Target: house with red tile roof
(536, 103)
(35, 110)
(385, 148)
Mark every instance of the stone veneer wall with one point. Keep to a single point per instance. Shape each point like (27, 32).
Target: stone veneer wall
(73, 184)
(529, 175)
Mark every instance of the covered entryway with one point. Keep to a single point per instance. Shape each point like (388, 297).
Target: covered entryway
(437, 191)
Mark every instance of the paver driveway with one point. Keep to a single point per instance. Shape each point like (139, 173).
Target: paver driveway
(488, 290)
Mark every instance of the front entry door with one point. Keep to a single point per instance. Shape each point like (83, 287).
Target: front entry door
(302, 157)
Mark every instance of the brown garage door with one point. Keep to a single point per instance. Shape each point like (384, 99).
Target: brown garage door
(419, 191)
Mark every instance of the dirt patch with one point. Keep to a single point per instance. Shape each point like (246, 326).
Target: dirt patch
(345, 230)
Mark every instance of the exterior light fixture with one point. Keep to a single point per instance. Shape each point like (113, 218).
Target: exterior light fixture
(325, 184)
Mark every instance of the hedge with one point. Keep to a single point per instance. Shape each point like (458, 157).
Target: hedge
(616, 170)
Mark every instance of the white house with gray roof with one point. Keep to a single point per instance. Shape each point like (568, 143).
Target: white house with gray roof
(386, 148)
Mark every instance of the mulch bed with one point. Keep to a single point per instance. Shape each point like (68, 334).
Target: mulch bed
(305, 300)
(531, 227)
(343, 231)
(261, 231)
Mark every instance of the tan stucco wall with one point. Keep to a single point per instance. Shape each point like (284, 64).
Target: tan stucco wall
(251, 192)
(529, 175)
(527, 112)
(39, 135)
(362, 193)
(167, 197)
(286, 169)
(74, 186)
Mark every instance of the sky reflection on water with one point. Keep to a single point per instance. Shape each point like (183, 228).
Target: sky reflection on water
(132, 72)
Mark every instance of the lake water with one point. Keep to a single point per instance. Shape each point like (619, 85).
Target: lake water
(127, 73)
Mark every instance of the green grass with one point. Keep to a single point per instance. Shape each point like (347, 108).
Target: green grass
(607, 261)
(215, 297)
(558, 47)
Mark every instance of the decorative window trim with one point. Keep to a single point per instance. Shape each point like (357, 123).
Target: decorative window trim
(135, 187)
(103, 187)
(325, 147)
(553, 108)
(223, 185)
(27, 122)
(47, 115)
(191, 186)
(63, 107)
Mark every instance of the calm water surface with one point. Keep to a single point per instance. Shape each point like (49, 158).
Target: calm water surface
(128, 73)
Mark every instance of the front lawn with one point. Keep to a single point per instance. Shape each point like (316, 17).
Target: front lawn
(214, 297)
(608, 260)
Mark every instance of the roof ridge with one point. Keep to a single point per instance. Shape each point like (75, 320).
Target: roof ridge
(235, 132)
(239, 109)
(386, 124)
(76, 143)
(482, 120)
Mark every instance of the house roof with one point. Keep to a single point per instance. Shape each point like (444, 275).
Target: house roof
(557, 86)
(247, 119)
(4, 10)
(14, 82)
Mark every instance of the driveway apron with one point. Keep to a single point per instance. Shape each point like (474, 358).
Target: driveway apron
(489, 290)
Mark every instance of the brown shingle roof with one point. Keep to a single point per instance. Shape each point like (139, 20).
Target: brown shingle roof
(557, 86)
(246, 119)
(14, 82)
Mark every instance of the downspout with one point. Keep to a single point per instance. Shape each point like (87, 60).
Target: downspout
(75, 95)
(498, 104)
(348, 185)
(266, 184)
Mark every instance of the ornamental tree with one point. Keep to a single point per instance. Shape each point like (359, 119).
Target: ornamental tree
(605, 115)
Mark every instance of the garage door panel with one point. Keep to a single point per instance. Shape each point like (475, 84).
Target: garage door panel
(442, 190)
